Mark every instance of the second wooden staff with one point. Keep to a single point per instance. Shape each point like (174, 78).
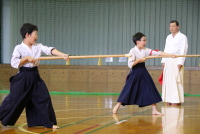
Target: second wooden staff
(152, 57)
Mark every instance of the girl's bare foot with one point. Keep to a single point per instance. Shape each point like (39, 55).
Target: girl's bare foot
(55, 127)
(154, 118)
(115, 118)
(156, 113)
(115, 109)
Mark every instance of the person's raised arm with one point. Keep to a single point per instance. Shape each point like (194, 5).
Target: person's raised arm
(58, 53)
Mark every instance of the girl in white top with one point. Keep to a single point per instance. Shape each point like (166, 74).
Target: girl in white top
(139, 88)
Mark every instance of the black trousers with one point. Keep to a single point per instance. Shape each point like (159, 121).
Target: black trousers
(28, 90)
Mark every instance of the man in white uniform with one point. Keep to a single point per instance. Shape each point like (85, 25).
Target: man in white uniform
(173, 69)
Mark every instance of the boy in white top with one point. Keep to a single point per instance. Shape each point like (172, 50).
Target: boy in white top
(173, 69)
(27, 89)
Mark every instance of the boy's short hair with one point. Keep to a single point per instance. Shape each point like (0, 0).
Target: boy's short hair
(174, 21)
(137, 37)
(27, 28)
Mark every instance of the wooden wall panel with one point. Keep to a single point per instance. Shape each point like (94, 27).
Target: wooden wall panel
(187, 81)
(187, 77)
(155, 74)
(97, 75)
(78, 75)
(195, 83)
(195, 77)
(105, 79)
(97, 80)
(5, 75)
(61, 75)
(78, 86)
(188, 89)
(115, 87)
(59, 86)
(116, 80)
(117, 76)
(44, 74)
(100, 87)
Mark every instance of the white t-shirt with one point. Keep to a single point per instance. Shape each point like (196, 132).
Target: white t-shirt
(22, 50)
(136, 54)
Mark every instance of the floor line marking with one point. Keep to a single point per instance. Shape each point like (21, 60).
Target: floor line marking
(82, 121)
(120, 121)
(115, 122)
(80, 109)
(20, 127)
(86, 129)
(125, 116)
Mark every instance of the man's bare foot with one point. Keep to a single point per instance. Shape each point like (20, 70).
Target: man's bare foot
(115, 109)
(168, 104)
(176, 104)
(55, 127)
(156, 113)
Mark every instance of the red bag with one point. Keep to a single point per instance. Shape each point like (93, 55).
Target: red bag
(160, 79)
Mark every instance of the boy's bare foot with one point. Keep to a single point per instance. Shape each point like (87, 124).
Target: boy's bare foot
(55, 127)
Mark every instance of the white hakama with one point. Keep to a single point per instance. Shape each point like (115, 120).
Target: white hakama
(172, 89)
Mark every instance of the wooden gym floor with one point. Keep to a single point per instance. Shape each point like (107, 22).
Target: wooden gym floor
(91, 114)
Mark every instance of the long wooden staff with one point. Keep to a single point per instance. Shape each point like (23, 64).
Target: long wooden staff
(152, 57)
(83, 57)
(105, 56)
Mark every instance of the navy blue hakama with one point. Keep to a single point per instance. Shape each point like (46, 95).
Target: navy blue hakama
(28, 90)
(139, 88)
